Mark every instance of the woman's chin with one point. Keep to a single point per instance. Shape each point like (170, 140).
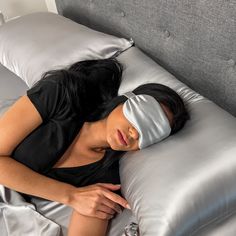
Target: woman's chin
(117, 148)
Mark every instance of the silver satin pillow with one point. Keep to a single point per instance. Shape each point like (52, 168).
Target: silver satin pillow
(186, 184)
(148, 117)
(55, 42)
(11, 88)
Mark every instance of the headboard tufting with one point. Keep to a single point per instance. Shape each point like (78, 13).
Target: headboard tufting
(193, 39)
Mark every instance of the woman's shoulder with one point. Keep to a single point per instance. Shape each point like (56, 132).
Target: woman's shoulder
(51, 85)
(48, 96)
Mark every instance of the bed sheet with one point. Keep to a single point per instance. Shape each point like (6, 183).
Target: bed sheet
(40, 217)
(60, 214)
(18, 217)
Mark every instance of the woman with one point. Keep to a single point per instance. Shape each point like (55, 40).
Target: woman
(63, 140)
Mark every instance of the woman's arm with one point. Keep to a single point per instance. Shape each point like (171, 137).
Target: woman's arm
(18, 122)
(17, 176)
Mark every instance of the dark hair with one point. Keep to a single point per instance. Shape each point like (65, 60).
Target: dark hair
(161, 93)
(91, 87)
(88, 84)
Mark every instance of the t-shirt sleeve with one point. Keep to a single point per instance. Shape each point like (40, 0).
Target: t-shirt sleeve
(46, 96)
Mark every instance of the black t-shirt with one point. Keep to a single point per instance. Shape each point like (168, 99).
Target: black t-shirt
(42, 148)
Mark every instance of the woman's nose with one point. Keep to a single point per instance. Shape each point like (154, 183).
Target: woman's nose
(133, 133)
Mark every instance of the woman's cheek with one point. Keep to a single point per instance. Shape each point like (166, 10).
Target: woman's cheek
(111, 141)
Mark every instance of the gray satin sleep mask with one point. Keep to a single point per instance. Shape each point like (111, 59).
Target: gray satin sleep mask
(147, 117)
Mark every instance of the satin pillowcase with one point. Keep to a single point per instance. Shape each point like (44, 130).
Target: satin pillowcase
(35, 43)
(184, 184)
(11, 88)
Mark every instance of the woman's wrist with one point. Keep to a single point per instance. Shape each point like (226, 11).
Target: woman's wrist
(67, 194)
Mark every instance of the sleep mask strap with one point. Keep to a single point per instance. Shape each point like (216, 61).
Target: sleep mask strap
(129, 94)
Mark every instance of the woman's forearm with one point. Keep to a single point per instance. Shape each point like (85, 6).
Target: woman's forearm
(95, 200)
(19, 177)
(89, 226)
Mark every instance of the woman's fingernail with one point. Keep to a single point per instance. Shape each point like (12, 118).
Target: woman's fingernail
(128, 206)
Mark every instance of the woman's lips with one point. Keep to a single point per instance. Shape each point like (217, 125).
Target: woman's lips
(121, 138)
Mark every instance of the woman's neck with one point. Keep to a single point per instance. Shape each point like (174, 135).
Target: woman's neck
(92, 136)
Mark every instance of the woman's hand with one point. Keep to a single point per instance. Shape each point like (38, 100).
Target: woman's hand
(97, 200)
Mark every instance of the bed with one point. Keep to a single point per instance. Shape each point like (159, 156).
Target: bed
(184, 185)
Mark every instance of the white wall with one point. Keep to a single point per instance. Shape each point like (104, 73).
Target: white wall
(14, 8)
(51, 5)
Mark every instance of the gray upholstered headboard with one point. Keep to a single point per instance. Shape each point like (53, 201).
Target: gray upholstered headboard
(193, 39)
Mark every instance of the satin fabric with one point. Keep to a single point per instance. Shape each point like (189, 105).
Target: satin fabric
(148, 117)
(60, 214)
(18, 217)
(184, 185)
(11, 88)
(63, 43)
(41, 217)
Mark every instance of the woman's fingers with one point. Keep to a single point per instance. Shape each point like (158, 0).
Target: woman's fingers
(116, 198)
(98, 201)
(109, 186)
(112, 205)
(106, 209)
(103, 215)
(113, 196)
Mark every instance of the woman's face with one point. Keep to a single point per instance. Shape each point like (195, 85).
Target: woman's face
(120, 133)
